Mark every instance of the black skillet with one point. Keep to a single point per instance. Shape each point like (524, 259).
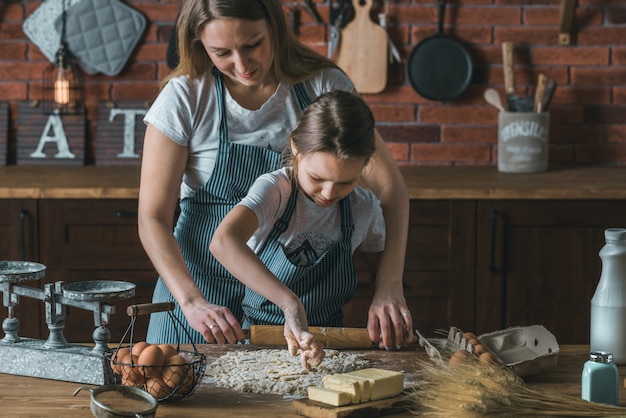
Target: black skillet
(439, 67)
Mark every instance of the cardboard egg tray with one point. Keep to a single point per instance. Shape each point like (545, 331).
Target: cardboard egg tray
(524, 350)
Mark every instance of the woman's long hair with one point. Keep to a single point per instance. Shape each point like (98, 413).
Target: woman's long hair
(293, 61)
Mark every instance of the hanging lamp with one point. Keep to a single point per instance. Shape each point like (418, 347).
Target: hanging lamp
(62, 83)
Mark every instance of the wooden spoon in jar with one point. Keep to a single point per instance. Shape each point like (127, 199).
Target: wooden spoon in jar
(493, 98)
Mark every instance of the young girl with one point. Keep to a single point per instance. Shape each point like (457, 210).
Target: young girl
(291, 239)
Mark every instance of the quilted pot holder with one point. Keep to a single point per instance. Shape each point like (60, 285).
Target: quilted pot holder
(102, 34)
(40, 27)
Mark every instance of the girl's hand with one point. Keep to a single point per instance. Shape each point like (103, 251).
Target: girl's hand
(298, 336)
(216, 323)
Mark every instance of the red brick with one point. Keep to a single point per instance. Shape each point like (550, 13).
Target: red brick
(450, 153)
(619, 95)
(470, 134)
(11, 31)
(13, 91)
(575, 134)
(531, 35)
(570, 56)
(600, 35)
(151, 52)
(21, 71)
(455, 115)
(598, 76)
(409, 133)
(616, 134)
(550, 15)
(393, 113)
(560, 154)
(158, 13)
(605, 114)
(581, 95)
(13, 51)
(135, 91)
(399, 151)
(619, 55)
(616, 15)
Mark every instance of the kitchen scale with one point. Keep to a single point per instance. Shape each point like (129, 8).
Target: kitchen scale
(55, 358)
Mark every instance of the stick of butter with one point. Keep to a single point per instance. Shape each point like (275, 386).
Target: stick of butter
(329, 396)
(383, 383)
(340, 383)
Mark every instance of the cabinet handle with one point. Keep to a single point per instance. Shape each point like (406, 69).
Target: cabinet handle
(120, 213)
(495, 215)
(22, 234)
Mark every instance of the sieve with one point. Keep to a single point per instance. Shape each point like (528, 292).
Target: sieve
(116, 401)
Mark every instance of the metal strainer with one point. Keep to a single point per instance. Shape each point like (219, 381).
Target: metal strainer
(116, 401)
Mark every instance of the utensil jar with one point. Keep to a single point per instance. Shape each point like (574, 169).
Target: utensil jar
(523, 142)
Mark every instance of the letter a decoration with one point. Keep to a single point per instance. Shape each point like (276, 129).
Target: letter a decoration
(49, 139)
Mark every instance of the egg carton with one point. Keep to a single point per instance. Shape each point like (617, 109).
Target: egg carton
(524, 350)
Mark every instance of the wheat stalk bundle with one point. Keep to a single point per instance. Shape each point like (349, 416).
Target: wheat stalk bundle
(472, 389)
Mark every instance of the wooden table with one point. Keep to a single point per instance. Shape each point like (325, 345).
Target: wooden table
(32, 397)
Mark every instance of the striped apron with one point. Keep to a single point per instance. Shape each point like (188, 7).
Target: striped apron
(323, 287)
(237, 166)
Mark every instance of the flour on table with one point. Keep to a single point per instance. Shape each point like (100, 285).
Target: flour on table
(276, 371)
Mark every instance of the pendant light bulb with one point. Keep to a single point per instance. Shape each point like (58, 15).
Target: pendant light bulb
(61, 87)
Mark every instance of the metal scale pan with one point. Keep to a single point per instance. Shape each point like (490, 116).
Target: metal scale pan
(99, 290)
(20, 271)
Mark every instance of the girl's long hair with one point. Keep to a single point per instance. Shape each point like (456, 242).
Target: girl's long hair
(293, 62)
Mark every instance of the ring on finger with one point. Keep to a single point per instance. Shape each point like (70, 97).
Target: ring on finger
(212, 326)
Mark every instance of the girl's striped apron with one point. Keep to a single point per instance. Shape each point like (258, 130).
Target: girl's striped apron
(323, 287)
(237, 166)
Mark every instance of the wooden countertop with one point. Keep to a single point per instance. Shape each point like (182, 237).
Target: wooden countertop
(32, 397)
(423, 182)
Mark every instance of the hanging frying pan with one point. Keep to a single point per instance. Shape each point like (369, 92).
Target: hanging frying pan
(439, 67)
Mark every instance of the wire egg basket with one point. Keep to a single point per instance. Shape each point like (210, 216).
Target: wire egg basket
(179, 372)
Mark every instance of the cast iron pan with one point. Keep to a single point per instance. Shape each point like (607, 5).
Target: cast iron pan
(439, 67)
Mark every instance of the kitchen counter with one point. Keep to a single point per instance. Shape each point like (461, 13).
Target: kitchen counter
(31, 397)
(423, 182)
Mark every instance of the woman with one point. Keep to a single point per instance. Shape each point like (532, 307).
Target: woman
(303, 223)
(220, 121)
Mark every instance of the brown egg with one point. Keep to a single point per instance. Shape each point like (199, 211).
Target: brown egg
(131, 374)
(138, 347)
(461, 357)
(176, 371)
(116, 359)
(469, 335)
(480, 349)
(152, 356)
(473, 341)
(168, 349)
(157, 388)
(489, 358)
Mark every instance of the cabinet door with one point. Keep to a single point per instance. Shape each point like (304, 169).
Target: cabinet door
(84, 240)
(18, 242)
(538, 263)
(438, 270)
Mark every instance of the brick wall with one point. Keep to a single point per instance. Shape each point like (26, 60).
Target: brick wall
(588, 111)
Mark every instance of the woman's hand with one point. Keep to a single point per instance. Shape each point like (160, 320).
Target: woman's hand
(297, 336)
(389, 320)
(216, 323)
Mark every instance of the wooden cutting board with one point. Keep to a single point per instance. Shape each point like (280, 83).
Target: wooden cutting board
(362, 50)
(372, 409)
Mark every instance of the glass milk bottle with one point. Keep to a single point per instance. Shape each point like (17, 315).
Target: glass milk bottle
(608, 305)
